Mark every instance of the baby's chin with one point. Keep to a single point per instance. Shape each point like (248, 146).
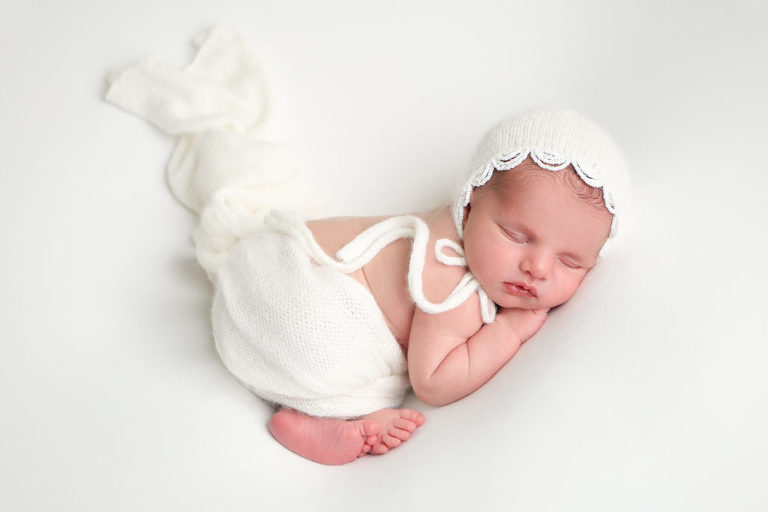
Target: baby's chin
(530, 303)
(512, 302)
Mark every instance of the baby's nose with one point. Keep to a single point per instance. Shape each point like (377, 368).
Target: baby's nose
(536, 264)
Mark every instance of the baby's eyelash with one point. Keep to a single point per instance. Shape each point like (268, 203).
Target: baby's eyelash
(569, 263)
(516, 237)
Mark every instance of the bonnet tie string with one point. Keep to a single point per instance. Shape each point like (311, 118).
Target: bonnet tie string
(371, 241)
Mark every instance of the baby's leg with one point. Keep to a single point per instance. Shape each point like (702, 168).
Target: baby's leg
(334, 441)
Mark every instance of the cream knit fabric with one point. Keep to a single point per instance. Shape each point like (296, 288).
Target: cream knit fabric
(295, 329)
(554, 139)
(303, 335)
(219, 169)
(287, 321)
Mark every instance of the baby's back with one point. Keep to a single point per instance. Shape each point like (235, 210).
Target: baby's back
(385, 276)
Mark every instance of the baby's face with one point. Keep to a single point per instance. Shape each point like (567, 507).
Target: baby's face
(530, 240)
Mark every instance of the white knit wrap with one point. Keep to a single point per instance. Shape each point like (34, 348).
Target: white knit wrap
(554, 139)
(219, 168)
(287, 321)
(302, 334)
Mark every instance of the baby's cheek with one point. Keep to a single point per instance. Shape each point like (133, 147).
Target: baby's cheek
(567, 286)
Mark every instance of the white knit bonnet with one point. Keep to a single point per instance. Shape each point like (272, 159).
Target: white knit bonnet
(554, 139)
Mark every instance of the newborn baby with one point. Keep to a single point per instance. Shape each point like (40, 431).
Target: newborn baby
(474, 285)
(334, 320)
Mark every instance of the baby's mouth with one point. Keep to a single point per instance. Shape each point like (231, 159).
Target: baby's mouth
(520, 289)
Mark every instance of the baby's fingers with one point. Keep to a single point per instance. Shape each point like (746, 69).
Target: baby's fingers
(526, 322)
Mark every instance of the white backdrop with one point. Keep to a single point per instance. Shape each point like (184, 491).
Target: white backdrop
(646, 391)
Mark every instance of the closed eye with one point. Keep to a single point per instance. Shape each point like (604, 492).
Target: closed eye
(569, 262)
(516, 236)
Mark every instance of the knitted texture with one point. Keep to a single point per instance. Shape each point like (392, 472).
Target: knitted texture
(287, 321)
(304, 335)
(553, 139)
(219, 169)
(297, 333)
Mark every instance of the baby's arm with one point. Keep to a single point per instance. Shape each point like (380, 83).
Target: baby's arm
(445, 364)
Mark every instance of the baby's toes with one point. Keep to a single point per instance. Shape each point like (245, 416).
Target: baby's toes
(402, 435)
(369, 429)
(403, 424)
(379, 449)
(414, 416)
(390, 441)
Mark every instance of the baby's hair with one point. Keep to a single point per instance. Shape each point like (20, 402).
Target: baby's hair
(592, 195)
(567, 176)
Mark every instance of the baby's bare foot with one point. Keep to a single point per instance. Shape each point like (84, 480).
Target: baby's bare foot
(324, 440)
(396, 427)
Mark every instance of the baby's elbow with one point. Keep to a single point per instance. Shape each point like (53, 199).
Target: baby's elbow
(430, 394)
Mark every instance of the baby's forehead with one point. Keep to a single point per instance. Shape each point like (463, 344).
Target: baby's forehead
(532, 186)
(547, 210)
(529, 174)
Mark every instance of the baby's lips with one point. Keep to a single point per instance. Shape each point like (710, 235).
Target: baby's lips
(519, 286)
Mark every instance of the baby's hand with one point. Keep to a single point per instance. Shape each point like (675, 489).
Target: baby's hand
(524, 323)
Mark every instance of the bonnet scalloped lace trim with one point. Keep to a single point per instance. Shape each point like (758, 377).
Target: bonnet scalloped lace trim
(545, 160)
